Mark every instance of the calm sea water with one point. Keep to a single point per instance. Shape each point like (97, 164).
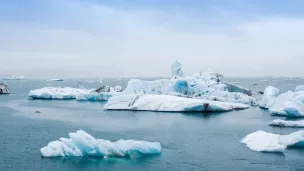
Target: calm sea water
(190, 141)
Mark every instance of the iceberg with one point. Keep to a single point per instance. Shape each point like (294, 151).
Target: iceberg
(84, 144)
(299, 88)
(270, 94)
(267, 142)
(4, 89)
(167, 103)
(284, 123)
(289, 104)
(176, 68)
(58, 93)
(68, 93)
(208, 86)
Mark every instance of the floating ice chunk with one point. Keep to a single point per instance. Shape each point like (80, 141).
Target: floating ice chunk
(278, 105)
(299, 88)
(269, 97)
(267, 142)
(168, 103)
(176, 68)
(84, 144)
(284, 123)
(64, 93)
(289, 104)
(68, 93)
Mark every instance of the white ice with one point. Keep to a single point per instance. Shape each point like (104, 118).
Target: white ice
(67, 93)
(84, 144)
(299, 88)
(176, 68)
(286, 123)
(289, 104)
(168, 103)
(270, 94)
(203, 86)
(267, 142)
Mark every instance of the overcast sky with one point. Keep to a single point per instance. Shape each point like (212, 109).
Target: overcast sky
(141, 38)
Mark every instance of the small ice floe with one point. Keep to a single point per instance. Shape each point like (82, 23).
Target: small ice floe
(284, 123)
(267, 142)
(81, 143)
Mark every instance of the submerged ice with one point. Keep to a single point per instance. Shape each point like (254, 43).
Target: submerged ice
(267, 142)
(84, 144)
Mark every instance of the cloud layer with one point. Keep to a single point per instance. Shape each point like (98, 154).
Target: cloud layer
(90, 39)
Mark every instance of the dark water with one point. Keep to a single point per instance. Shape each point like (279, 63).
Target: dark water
(190, 141)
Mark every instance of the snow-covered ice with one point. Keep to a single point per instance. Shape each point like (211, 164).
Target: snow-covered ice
(167, 103)
(84, 144)
(267, 142)
(286, 123)
(67, 93)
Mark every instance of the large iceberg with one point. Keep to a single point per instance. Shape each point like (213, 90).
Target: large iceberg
(267, 142)
(84, 144)
(167, 103)
(205, 85)
(288, 104)
(67, 93)
(284, 123)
